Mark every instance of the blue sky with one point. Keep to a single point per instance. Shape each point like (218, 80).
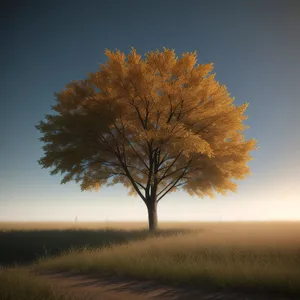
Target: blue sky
(254, 46)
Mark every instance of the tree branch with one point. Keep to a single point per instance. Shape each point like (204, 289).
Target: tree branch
(170, 166)
(172, 183)
(170, 174)
(133, 182)
(137, 154)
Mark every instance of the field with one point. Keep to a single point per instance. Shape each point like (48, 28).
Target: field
(256, 257)
(19, 284)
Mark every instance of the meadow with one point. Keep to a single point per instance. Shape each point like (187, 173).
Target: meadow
(19, 284)
(248, 256)
(23, 243)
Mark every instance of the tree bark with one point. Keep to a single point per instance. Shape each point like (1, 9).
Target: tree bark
(152, 215)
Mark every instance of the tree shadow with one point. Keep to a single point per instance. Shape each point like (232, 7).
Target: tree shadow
(25, 246)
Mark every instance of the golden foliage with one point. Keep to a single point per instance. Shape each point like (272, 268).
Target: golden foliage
(152, 124)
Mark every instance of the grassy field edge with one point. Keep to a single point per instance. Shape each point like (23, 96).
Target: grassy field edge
(166, 260)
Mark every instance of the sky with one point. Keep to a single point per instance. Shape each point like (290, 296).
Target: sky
(254, 46)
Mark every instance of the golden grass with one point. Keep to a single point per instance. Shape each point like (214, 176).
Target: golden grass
(260, 256)
(20, 284)
(5, 226)
(251, 226)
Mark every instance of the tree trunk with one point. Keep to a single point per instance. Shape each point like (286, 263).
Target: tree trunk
(152, 215)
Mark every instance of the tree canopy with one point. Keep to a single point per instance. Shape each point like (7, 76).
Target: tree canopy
(154, 124)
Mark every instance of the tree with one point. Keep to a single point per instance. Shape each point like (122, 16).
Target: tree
(152, 124)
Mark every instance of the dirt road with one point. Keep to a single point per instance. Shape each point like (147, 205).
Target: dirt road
(117, 288)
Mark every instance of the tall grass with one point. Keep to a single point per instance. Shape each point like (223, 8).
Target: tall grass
(254, 260)
(24, 246)
(19, 284)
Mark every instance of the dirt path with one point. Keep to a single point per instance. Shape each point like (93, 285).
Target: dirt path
(117, 288)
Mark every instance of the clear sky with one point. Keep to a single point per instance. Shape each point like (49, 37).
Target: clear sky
(254, 45)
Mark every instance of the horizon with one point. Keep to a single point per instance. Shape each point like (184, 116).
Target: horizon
(146, 223)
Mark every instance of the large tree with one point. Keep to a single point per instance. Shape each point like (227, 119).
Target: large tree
(152, 124)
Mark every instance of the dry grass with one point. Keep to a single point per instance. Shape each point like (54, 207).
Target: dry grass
(259, 256)
(20, 284)
(271, 227)
(25, 226)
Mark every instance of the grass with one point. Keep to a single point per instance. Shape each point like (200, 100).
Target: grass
(25, 245)
(19, 284)
(256, 257)
(239, 255)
